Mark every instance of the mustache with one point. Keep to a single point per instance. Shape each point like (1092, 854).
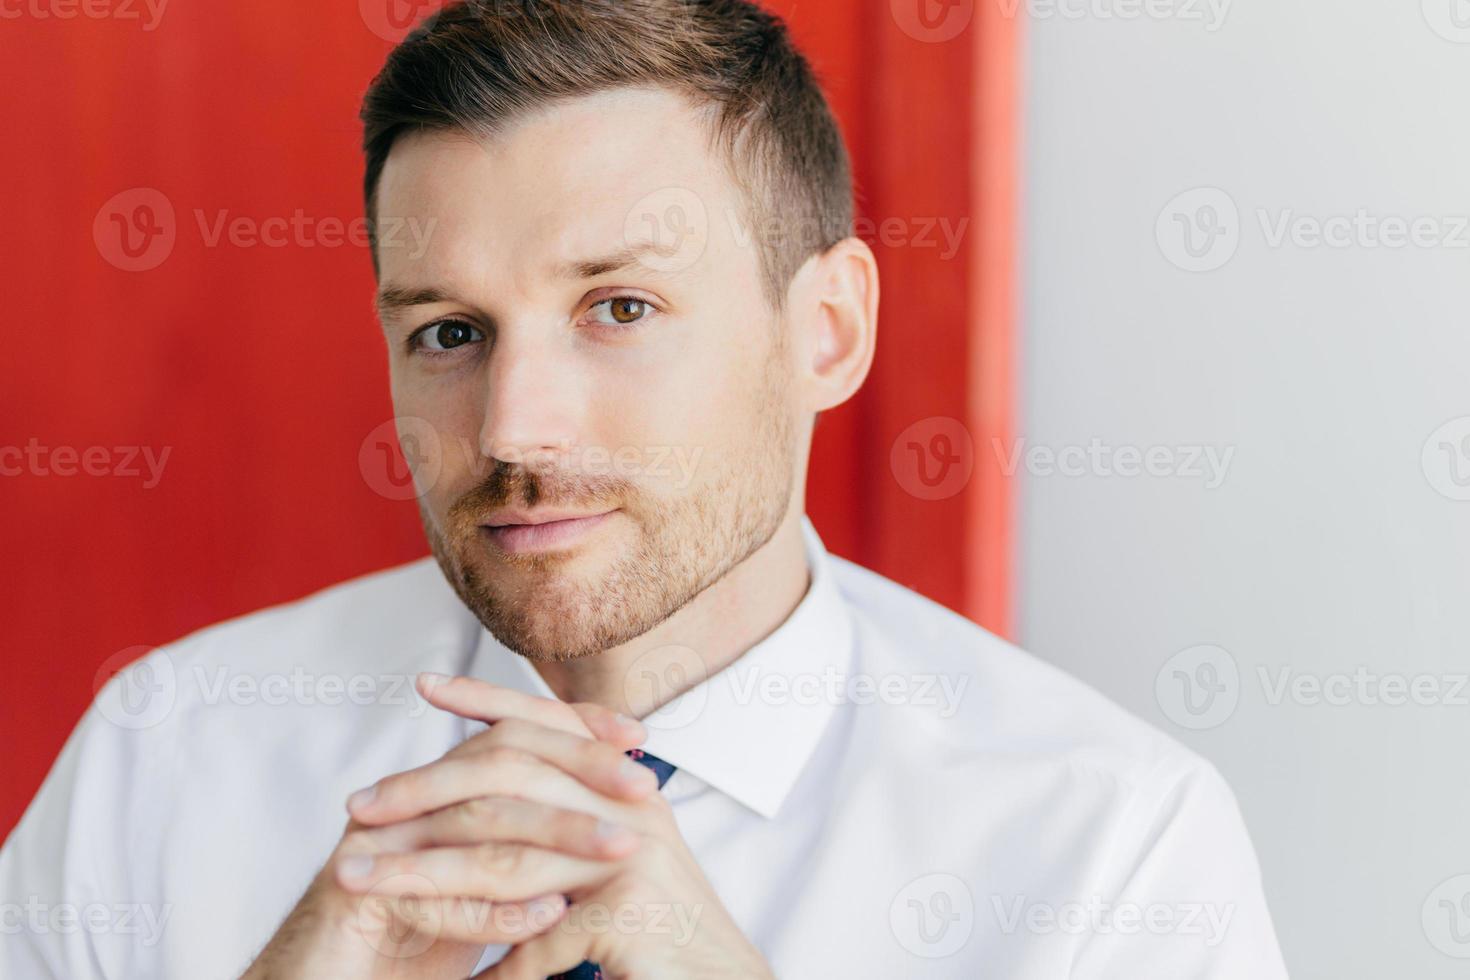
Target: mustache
(512, 483)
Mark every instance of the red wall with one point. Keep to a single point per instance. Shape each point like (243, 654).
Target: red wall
(259, 369)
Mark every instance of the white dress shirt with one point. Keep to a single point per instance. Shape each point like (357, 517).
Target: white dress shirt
(879, 788)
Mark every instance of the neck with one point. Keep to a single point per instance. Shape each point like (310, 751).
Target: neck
(708, 634)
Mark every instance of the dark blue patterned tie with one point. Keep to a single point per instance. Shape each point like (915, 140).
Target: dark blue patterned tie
(587, 970)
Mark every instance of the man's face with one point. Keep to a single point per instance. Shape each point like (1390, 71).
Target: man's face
(586, 336)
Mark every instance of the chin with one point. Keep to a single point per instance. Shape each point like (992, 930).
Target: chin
(543, 637)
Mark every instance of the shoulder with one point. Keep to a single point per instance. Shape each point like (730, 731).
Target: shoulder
(993, 697)
(380, 620)
(262, 679)
(1046, 759)
(334, 668)
(241, 696)
(291, 697)
(283, 664)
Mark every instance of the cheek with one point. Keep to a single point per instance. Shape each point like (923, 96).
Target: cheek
(439, 419)
(698, 419)
(691, 396)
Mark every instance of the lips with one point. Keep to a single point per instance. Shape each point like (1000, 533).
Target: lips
(519, 533)
(543, 515)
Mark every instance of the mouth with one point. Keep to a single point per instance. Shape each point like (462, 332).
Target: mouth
(527, 533)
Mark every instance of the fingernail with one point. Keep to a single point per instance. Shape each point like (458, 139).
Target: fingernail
(356, 868)
(431, 680)
(362, 797)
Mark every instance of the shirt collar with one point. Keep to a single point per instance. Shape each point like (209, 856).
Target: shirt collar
(750, 729)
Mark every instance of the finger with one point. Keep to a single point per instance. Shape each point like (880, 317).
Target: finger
(400, 925)
(555, 951)
(496, 871)
(611, 726)
(504, 818)
(472, 698)
(597, 765)
(496, 771)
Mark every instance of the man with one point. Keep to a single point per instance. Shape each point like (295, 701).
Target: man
(639, 292)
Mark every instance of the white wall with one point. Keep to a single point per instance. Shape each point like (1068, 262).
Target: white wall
(1329, 545)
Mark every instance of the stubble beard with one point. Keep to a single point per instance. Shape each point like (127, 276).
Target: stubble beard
(684, 543)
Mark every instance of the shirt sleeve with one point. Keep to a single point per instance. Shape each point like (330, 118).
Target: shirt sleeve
(1183, 897)
(77, 898)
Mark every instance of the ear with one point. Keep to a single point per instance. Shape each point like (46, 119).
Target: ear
(834, 302)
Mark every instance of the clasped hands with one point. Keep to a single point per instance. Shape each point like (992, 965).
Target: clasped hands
(488, 844)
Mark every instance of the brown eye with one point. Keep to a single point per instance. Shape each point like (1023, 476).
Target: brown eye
(624, 310)
(448, 335)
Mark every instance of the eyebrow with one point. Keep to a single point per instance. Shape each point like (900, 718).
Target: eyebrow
(395, 299)
(617, 261)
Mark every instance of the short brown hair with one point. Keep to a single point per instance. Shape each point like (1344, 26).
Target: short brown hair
(477, 64)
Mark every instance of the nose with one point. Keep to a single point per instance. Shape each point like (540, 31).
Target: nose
(531, 401)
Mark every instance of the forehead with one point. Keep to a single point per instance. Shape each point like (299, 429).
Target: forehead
(578, 178)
